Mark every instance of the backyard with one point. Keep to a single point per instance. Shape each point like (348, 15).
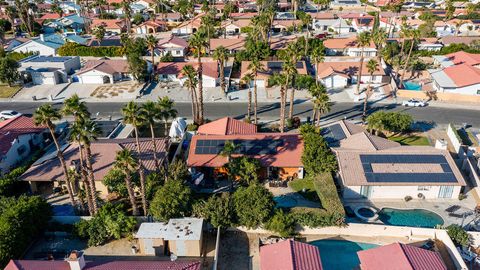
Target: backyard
(8, 91)
(410, 140)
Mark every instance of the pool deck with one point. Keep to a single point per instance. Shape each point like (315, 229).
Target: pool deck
(451, 211)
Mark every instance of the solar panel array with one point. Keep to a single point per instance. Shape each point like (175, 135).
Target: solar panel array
(333, 134)
(245, 147)
(446, 176)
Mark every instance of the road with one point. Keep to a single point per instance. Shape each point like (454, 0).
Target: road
(270, 111)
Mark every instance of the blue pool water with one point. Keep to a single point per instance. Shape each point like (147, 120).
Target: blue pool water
(340, 254)
(285, 201)
(412, 86)
(410, 217)
(63, 210)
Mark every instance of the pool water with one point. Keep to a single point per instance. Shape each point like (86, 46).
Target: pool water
(413, 86)
(410, 217)
(285, 201)
(63, 210)
(340, 254)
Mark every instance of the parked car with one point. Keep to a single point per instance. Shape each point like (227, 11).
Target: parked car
(414, 103)
(9, 114)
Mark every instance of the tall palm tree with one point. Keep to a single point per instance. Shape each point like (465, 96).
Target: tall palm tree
(322, 106)
(294, 52)
(199, 42)
(318, 56)
(151, 42)
(167, 111)
(132, 116)
(150, 112)
(372, 66)
(247, 79)
(45, 115)
(220, 54)
(414, 35)
(363, 40)
(191, 82)
(289, 70)
(73, 106)
(379, 36)
(315, 91)
(255, 66)
(127, 10)
(127, 163)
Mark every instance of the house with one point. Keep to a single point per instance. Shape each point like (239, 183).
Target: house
(175, 46)
(279, 154)
(337, 4)
(448, 40)
(47, 44)
(47, 17)
(103, 71)
(429, 44)
(290, 255)
(341, 74)
(329, 22)
(188, 27)
(172, 19)
(348, 47)
(234, 27)
(457, 58)
(402, 256)
(70, 23)
(180, 236)
(111, 25)
(111, 41)
(233, 45)
(172, 71)
(279, 26)
(270, 67)
(372, 167)
(52, 70)
(19, 137)
(47, 173)
(151, 27)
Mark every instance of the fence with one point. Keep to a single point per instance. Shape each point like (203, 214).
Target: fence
(454, 137)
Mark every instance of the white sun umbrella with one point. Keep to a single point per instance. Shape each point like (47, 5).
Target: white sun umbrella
(178, 128)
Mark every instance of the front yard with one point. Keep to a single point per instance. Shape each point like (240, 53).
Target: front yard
(410, 140)
(7, 91)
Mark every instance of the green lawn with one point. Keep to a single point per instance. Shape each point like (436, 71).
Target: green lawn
(7, 91)
(299, 184)
(410, 140)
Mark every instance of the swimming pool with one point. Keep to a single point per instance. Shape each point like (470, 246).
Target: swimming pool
(413, 86)
(340, 254)
(285, 201)
(409, 217)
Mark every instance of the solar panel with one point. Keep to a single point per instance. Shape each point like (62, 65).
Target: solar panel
(333, 134)
(246, 147)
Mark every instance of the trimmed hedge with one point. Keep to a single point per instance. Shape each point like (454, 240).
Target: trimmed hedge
(74, 49)
(332, 213)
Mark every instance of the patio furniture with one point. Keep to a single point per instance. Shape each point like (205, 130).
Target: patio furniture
(466, 254)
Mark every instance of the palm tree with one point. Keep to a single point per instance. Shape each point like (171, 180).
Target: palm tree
(379, 36)
(322, 106)
(228, 150)
(191, 83)
(315, 91)
(45, 115)
(247, 79)
(372, 66)
(167, 112)
(127, 10)
(151, 42)
(127, 163)
(289, 69)
(149, 112)
(131, 116)
(414, 35)
(220, 54)
(363, 40)
(294, 51)
(255, 66)
(199, 42)
(318, 57)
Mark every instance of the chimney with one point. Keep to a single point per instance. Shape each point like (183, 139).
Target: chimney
(76, 261)
(42, 37)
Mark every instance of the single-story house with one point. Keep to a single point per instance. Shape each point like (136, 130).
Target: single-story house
(279, 154)
(456, 58)
(234, 27)
(348, 47)
(233, 45)
(171, 19)
(337, 4)
(402, 256)
(103, 71)
(111, 41)
(180, 236)
(341, 74)
(48, 69)
(47, 173)
(110, 25)
(290, 255)
(448, 40)
(270, 67)
(47, 44)
(372, 167)
(172, 71)
(69, 23)
(188, 27)
(151, 27)
(429, 44)
(19, 137)
(457, 79)
(177, 47)
(330, 22)
(284, 25)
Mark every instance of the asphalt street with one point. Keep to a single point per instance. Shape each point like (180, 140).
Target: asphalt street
(270, 111)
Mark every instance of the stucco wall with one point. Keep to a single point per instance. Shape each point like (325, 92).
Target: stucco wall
(397, 192)
(192, 248)
(13, 157)
(439, 96)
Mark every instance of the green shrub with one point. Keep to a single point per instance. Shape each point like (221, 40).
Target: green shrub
(315, 217)
(327, 193)
(192, 127)
(74, 49)
(317, 157)
(281, 223)
(458, 235)
(253, 205)
(172, 200)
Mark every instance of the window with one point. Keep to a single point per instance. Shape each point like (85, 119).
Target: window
(177, 52)
(423, 188)
(478, 92)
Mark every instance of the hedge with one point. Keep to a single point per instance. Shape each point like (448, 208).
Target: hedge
(332, 213)
(74, 49)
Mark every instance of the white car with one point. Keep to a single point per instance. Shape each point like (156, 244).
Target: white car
(414, 103)
(9, 114)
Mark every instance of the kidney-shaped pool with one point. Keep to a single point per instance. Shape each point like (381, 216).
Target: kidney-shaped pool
(410, 217)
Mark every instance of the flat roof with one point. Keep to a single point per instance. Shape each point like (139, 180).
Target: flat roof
(52, 59)
(175, 229)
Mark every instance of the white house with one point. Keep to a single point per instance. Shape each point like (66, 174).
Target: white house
(19, 137)
(348, 47)
(51, 70)
(341, 74)
(177, 47)
(270, 67)
(104, 71)
(234, 27)
(47, 44)
(372, 167)
(188, 27)
(172, 71)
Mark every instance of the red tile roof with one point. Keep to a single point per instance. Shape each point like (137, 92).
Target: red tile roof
(462, 57)
(115, 265)
(108, 23)
(290, 255)
(227, 126)
(463, 74)
(174, 40)
(209, 69)
(103, 152)
(288, 155)
(12, 128)
(343, 43)
(399, 256)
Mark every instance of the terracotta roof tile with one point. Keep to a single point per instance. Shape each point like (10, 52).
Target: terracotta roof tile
(227, 126)
(290, 255)
(343, 43)
(209, 69)
(462, 57)
(115, 265)
(12, 128)
(463, 74)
